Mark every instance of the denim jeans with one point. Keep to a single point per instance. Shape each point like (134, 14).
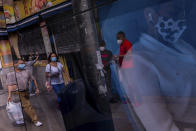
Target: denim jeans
(57, 88)
(32, 87)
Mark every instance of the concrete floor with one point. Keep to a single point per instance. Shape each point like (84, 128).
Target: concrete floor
(45, 106)
(120, 119)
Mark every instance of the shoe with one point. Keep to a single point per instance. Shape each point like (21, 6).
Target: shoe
(32, 94)
(38, 124)
(21, 122)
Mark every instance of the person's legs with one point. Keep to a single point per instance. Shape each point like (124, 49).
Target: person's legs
(57, 88)
(61, 86)
(107, 79)
(27, 107)
(32, 87)
(111, 95)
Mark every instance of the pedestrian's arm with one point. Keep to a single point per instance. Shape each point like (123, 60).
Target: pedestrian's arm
(10, 89)
(47, 75)
(128, 46)
(9, 93)
(48, 70)
(37, 57)
(128, 53)
(11, 83)
(37, 87)
(31, 63)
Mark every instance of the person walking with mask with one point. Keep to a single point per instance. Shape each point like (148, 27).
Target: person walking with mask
(125, 45)
(106, 56)
(54, 74)
(29, 66)
(18, 89)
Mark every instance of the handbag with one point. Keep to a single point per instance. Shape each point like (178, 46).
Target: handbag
(14, 111)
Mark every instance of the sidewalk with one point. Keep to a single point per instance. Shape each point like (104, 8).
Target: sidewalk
(120, 119)
(45, 107)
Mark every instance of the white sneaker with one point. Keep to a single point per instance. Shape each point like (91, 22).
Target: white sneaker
(38, 124)
(32, 94)
(20, 122)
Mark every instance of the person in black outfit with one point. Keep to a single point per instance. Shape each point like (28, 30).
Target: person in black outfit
(107, 56)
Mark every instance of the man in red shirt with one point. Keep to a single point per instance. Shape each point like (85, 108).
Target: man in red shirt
(125, 45)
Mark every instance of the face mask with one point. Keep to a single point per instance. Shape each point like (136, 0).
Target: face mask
(102, 48)
(119, 41)
(21, 66)
(170, 30)
(53, 59)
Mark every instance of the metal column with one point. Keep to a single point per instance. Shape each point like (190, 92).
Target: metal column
(89, 47)
(90, 57)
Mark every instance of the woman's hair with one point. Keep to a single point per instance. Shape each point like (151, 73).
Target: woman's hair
(49, 57)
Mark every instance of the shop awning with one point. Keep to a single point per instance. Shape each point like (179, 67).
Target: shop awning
(35, 18)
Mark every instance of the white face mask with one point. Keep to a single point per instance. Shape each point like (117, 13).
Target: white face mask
(119, 42)
(102, 48)
(170, 30)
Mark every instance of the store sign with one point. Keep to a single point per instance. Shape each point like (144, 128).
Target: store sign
(9, 11)
(25, 8)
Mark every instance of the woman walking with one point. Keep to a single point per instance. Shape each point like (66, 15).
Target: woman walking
(54, 75)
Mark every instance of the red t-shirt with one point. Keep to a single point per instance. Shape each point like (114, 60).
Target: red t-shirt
(124, 48)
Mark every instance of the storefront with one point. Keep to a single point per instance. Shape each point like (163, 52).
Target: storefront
(33, 27)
